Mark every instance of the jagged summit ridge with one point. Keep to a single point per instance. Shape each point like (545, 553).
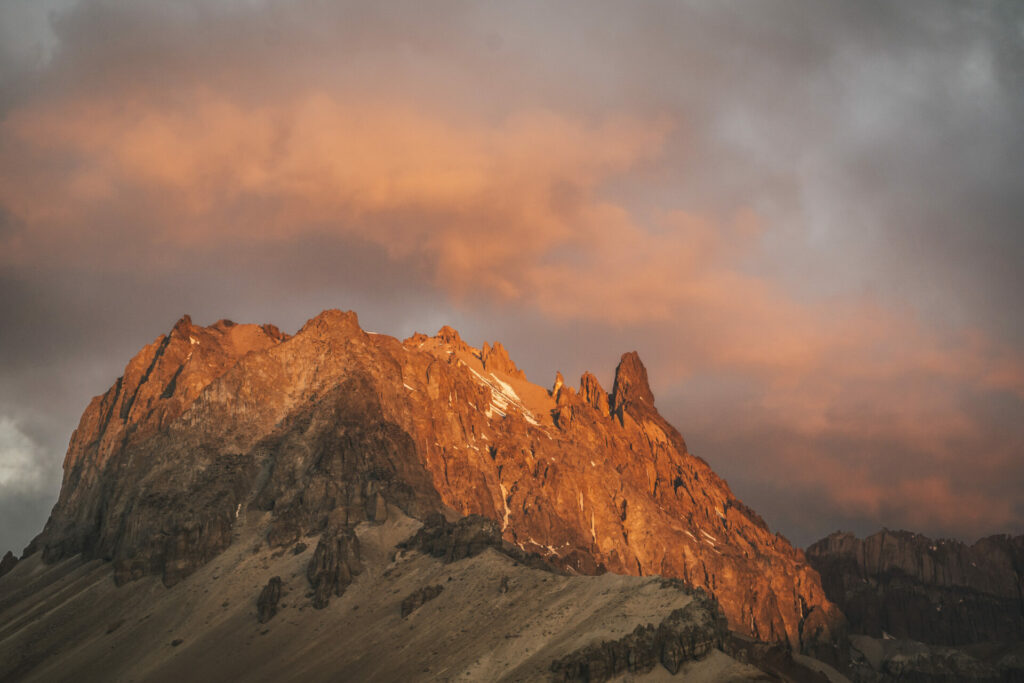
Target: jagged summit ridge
(326, 428)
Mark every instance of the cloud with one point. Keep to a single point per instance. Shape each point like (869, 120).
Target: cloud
(19, 458)
(27, 478)
(771, 203)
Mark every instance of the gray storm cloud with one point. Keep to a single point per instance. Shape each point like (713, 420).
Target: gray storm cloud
(804, 215)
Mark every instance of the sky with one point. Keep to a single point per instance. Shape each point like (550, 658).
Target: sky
(805, 216)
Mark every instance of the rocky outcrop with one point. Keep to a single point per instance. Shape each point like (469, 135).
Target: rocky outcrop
(686, 634)
(417, 598)
(910, 586)
(7, 563)
(332, 426)
(891, 660)
(593, 395)
(270, 596)
(452, 541)
(631, 388)
(471, 535)
(495, 359)
(774, 659)
(334, 564)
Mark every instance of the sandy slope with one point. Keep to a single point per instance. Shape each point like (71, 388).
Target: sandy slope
(69, 621)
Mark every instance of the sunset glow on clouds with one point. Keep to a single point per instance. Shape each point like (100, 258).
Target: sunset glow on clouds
(813, 249)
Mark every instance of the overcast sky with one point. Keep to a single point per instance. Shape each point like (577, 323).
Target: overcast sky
(805, 216)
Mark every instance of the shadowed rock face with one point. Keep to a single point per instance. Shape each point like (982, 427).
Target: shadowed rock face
(266, 603)
(335, 563)
(419, 597)
(325, 428)
(687, 634)
(940, 592)
(7, 562)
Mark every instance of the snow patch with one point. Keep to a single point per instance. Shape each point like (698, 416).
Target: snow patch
(502, 397)
(506, 387)
(504, 501)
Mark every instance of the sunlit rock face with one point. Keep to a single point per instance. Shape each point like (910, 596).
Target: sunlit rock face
(325, 428)
(909, 586)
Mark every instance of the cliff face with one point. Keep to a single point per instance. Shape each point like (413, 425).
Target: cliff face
(939, 592)
(326, 427)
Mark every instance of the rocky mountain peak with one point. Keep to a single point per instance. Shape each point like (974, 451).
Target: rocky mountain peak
(7, 562)
(318, 432)
(496, 359)
(631, 387)
(183, 326)
(450, 336)
(559, 383)
(333, 322)
(593, 394)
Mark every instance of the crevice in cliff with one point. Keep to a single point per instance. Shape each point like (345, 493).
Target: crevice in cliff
(126, 407)
(169, 390)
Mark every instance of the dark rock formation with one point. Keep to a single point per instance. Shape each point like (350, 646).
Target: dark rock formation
(893, 661)
(774, 659)
(266, 604)
(824, 637)
(467, 537)
(335, 563)
(330, 427)
(686, 634)
(415, 600)
(940, 592)
(7, 563)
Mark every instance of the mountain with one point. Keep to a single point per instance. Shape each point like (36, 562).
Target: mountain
(334, 426)
(929, 609)
(910, 586)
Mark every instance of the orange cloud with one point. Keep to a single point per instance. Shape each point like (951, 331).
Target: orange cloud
(517, 210)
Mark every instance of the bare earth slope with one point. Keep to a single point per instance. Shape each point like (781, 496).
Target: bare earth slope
(323, 430)
(494, 618)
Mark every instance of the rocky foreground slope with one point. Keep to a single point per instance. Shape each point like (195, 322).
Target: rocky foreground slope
(325, 429)
(472, 613)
